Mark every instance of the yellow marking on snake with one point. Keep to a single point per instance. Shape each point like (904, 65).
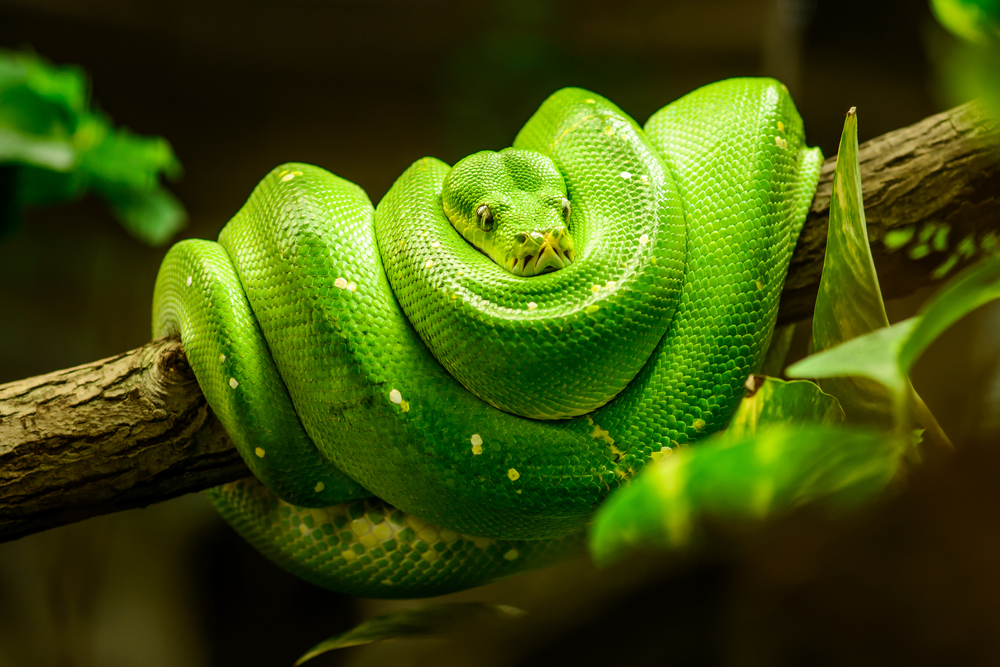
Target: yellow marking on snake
(600, 434)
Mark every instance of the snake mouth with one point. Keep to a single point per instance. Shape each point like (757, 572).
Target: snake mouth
(550, 256)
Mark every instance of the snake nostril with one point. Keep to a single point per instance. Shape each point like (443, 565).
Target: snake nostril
(521, 238)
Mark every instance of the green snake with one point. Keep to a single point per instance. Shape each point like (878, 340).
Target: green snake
(439, 392)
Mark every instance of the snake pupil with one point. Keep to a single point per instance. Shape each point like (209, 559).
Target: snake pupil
(484, 218)
(565, 209)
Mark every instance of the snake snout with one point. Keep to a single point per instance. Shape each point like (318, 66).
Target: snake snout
(542, 253)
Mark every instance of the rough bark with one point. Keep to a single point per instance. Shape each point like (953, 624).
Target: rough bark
(135, 429)
(114, 434)
(944, 169)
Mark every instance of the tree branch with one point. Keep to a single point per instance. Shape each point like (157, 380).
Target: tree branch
(111, 435)
(944, 169)
(134, 429)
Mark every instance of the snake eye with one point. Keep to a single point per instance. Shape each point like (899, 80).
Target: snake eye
(565, 209)
(484, 218)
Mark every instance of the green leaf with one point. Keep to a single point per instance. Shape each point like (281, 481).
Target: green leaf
(64, 86)
(15, 146)
(886, 355)
(63, 149)
(427, 622)
(874, 355)
(970, 289)
(849, 303)
(152, 217)
(777, 402)
(968, 68)
(976, 21)
(40, 106)
(780, 468)
(895, 239)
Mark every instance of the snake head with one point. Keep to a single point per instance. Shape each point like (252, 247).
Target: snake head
(512, 206)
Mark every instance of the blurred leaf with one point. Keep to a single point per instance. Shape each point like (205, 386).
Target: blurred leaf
(973, 287)
(64, 86)
(886, 355)
(152, 217)
(969, 68)
(19, 147)
(976, 21)
(777, 402)
(126, 160)
(749, 479)
(897, 238)
(40, 107)
(63, 149)
(433, 621)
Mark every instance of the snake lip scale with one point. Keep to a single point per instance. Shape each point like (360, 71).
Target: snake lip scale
(420, 419)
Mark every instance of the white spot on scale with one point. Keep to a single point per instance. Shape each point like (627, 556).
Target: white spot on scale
(435, 244)
(395, 396)
(429, 263)
(476, 439)
(222, 357)
(780, 143)
(590, 101)
(626, 175)
(189, 281)
(644, 239)
(233, 383)
(658, 456)
(595, 288)
(532, 305)
(352, 287)
(340, 283)
(290, 175)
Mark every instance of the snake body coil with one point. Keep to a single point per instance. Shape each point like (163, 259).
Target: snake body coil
(373, 366)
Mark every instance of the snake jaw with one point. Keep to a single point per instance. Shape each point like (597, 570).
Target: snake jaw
(555, 252)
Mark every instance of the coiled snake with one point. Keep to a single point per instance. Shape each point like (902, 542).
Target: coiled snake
(438, 392)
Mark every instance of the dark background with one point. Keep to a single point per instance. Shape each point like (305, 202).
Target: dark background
(364, 89)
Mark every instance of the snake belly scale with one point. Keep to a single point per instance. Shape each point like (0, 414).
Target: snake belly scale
(418, 418)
